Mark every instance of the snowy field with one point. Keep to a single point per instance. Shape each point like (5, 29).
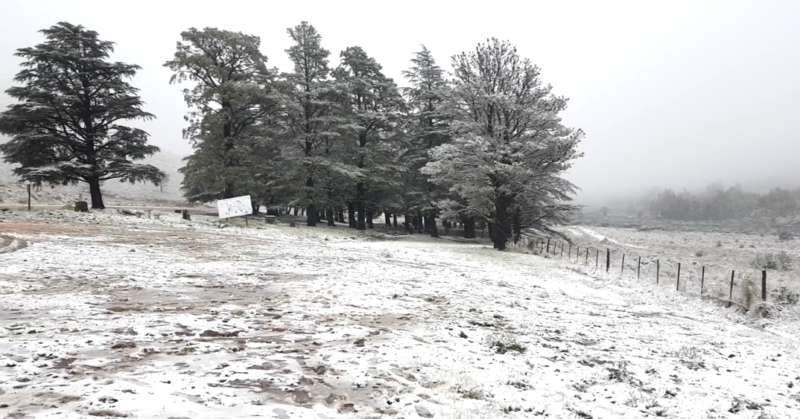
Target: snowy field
(118, 316)
(720, 253)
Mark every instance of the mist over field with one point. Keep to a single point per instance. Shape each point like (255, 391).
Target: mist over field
(417, 209)
(669, 97)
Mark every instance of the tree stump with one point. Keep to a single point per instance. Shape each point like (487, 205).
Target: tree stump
(81, 206)
(185, 215)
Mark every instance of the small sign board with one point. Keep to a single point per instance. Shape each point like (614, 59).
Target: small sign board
(234, 207)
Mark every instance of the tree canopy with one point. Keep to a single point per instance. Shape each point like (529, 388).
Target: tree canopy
(69, 124)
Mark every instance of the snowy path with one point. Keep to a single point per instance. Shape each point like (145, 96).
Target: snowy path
(106, 315)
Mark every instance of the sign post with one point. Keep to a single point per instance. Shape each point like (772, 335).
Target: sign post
(235, 207)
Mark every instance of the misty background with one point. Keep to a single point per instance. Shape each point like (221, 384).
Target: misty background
(671, 95)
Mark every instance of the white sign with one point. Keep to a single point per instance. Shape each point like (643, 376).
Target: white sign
(234, 207)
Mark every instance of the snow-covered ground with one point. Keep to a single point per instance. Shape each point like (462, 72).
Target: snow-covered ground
(107, 315)
(720, 253)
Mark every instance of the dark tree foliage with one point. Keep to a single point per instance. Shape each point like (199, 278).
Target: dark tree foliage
(68, 126)
(233, 104)
(427, 127)
(311, 122)
(371, 107)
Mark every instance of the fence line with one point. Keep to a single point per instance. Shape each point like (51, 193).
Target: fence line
(556, 249)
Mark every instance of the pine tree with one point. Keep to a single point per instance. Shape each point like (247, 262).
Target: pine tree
(234, 103)
(68, 126)
(311, 121)
(428, 128)
(371, 106)
(509, 146)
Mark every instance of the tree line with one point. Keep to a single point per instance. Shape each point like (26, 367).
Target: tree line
(718, 203)
(483, 144)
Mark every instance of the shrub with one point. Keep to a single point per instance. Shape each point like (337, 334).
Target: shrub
(504, 344)
(772, 261)
(785, 296)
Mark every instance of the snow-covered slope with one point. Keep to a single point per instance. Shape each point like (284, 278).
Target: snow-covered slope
(108, 315)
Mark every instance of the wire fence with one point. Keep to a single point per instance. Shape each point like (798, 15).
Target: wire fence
(728, 286)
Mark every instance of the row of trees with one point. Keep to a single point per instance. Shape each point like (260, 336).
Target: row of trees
(485, 145)
(718, 203)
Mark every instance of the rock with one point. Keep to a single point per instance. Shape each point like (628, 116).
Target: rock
(81, 206)
(301, 397)
(124, 345)
(462, 335)
(423, 411)
(360, 342)
(215, 334)
(346, 408)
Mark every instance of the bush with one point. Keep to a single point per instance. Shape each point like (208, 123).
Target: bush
(785, 236)
(504, 344)
(785, 296)
(772, 261)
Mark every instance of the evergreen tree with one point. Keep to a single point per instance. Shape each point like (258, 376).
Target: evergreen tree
(232, 123)
(371, 108)
(68, 126)
(311, 121)
(509, 146)
(428, 128)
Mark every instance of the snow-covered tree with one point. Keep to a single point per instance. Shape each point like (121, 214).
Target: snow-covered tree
(311, 113)
(69, 124)
(427, 127)
(233, 106)
(509, 146)
(371, 110)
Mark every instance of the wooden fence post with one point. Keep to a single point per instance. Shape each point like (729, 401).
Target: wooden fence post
(638, 268)
(702, 279)
(622, 265)
(586, 261)
(562, 250)
(548, 245)
(608, 259)
(678, 280)
(596, 258)
(29, 197)
(658, 269)
(764, 285)
(730, 293)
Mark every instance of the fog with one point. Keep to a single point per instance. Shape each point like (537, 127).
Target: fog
(670, 94)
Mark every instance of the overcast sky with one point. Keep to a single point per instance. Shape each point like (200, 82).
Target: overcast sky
(671, 94)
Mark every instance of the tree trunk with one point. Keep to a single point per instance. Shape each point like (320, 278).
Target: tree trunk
(387, 218)
(394, 220)
(97, 196)
(517, 225)
(311, 209)
(501, 230)
(361, 210)
(431, 225)
(418, 222)
(340, 215)
(370, 217)
(469, 228)
(331, 216)
(351, 215)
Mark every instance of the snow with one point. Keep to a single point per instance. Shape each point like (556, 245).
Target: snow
(103, 314)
